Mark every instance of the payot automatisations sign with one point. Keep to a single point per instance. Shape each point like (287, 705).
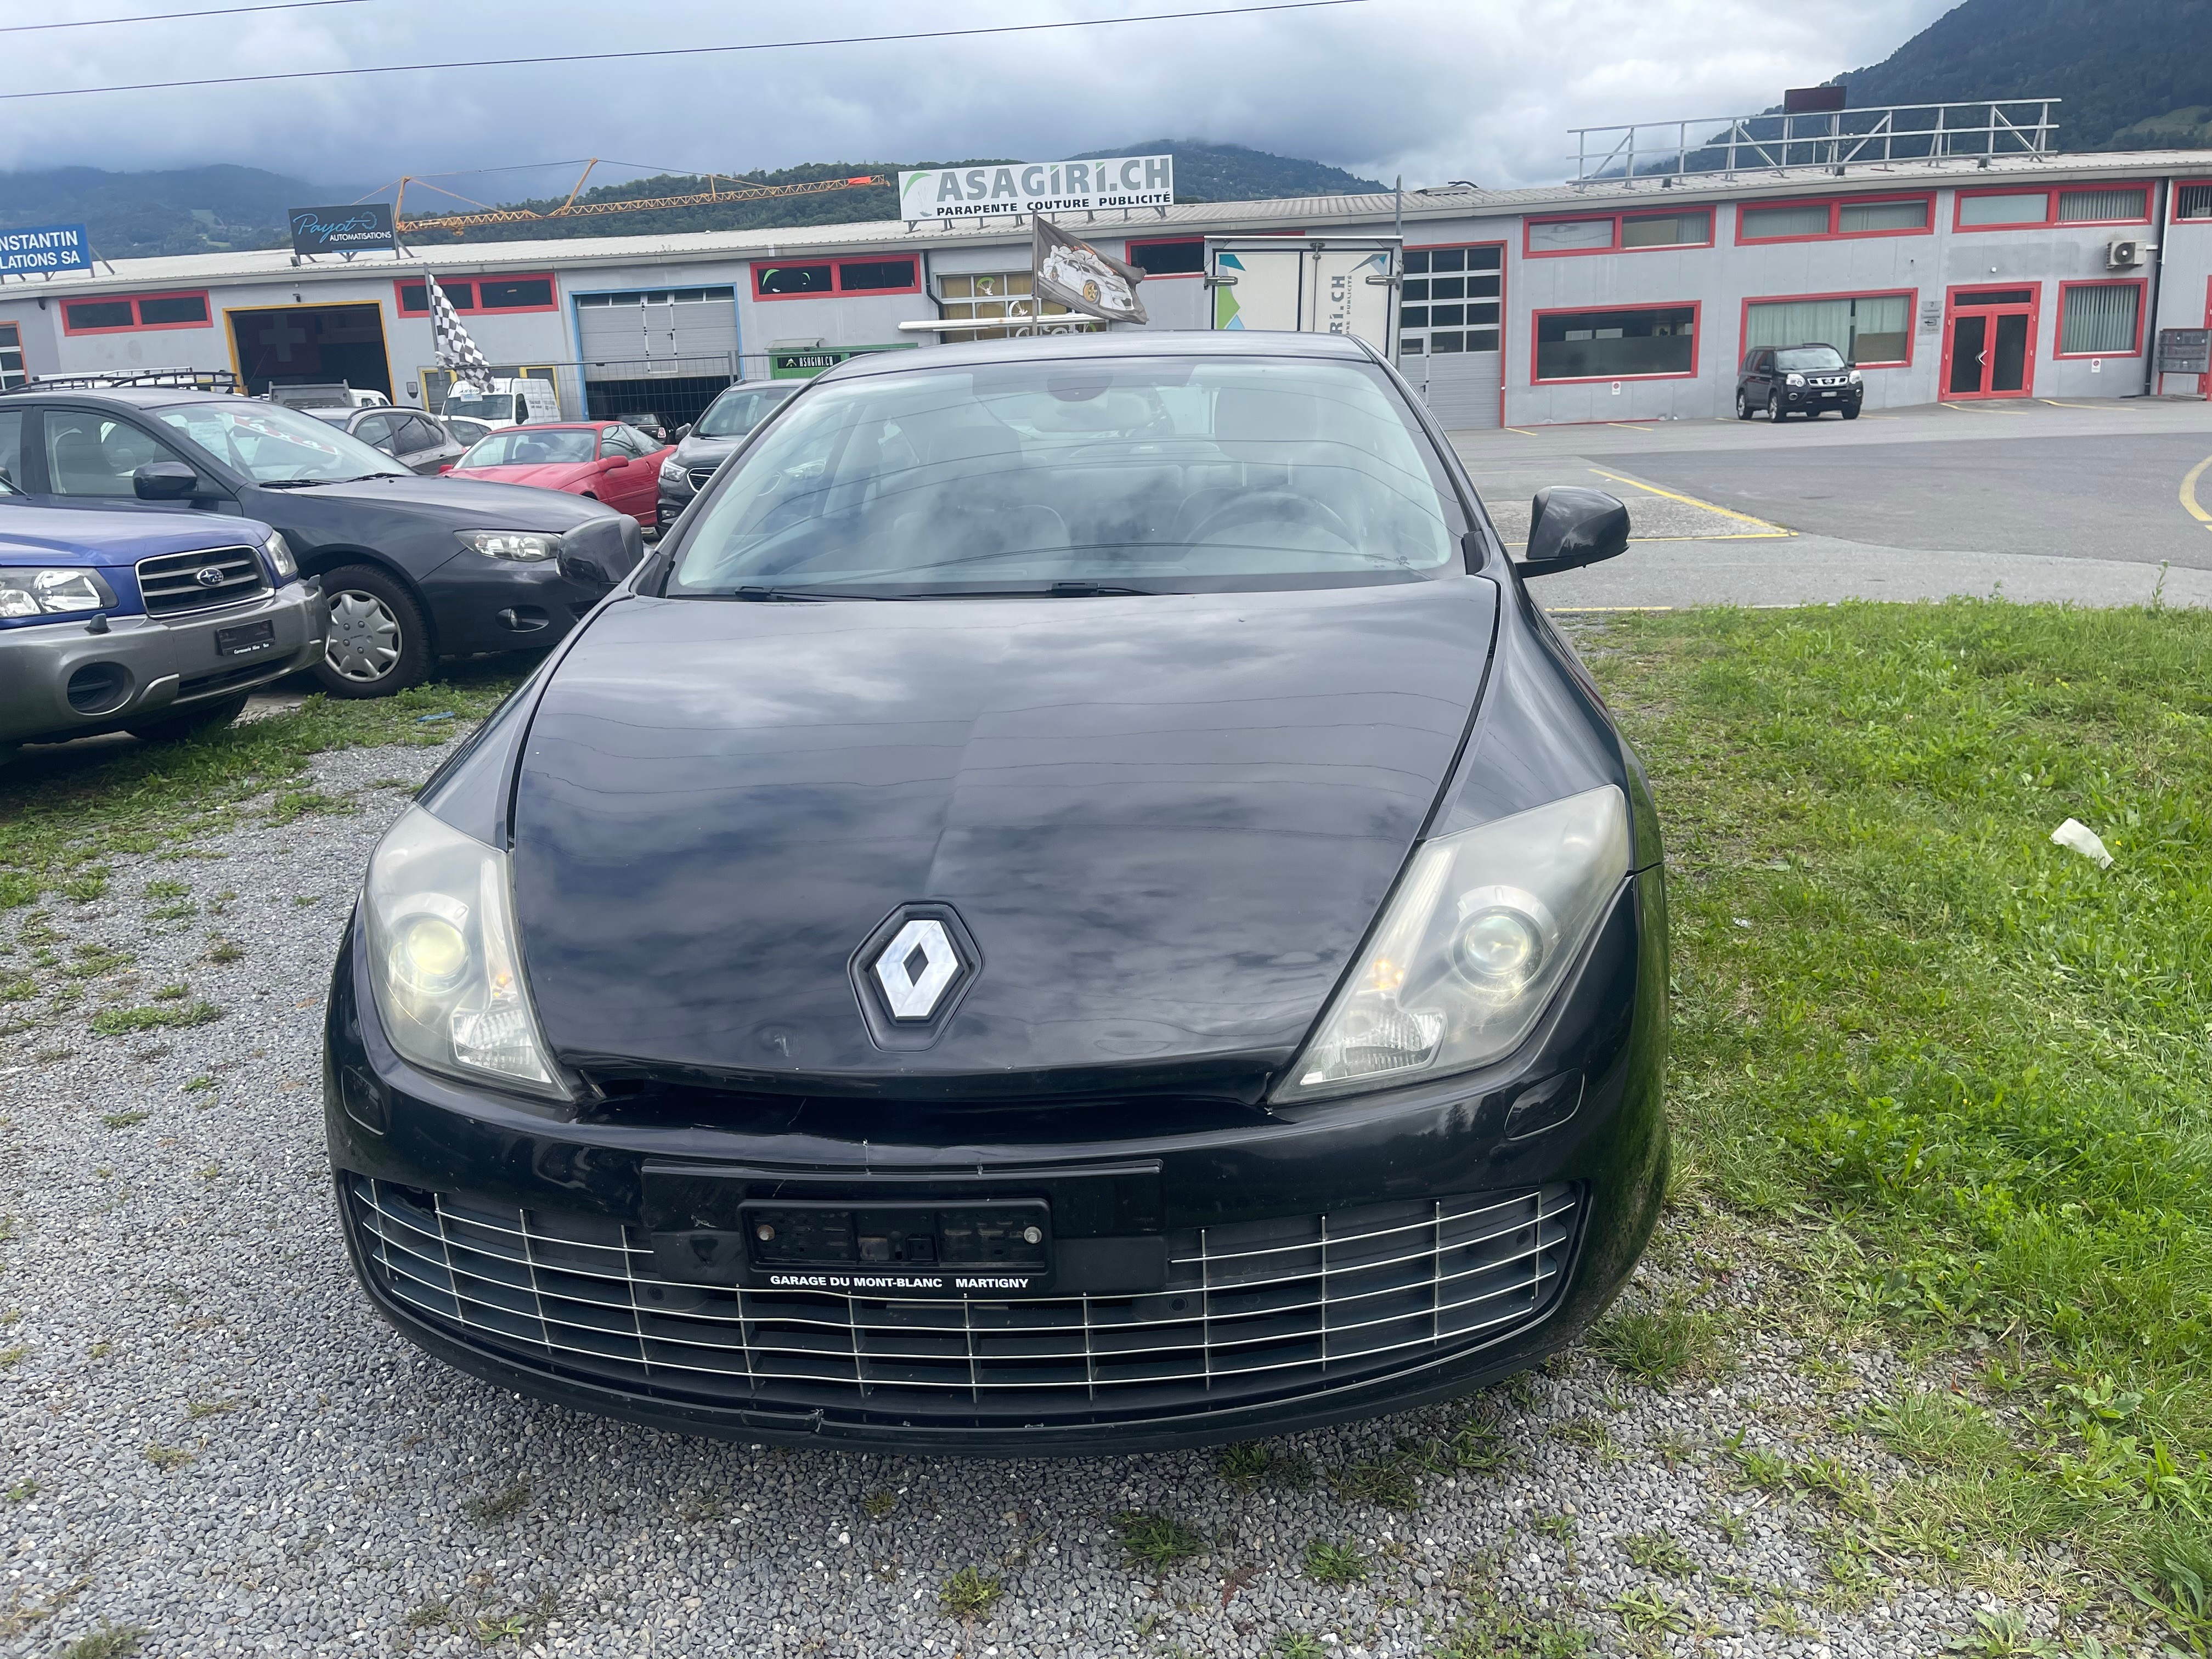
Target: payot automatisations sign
(1130, 181)
(44, 247)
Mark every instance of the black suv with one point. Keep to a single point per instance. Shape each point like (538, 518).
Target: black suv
(1799, 379)
(414, 568)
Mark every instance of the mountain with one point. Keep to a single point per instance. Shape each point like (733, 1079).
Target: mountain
(190, 210)
(1204, 173)
(2134, 74)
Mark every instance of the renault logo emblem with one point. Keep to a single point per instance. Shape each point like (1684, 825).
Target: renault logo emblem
(916, 968)
(911, 973)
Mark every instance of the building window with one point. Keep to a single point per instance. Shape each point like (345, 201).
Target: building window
(1450, 299)
(2193, 202)
(980, 296)
(658, 296)
(779, 281)
(482, 294)
(140, 311)
(1872, 329)
(12, 357)
(1179, 256)
(2099, 204)
(1798, 221)
(1613, 233)
(1616, 345)
(2100, 320)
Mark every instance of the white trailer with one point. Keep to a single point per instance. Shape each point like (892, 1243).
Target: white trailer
(1309, 285)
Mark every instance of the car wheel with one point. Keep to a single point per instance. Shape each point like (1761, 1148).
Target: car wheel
(1775, 411)
(1850, 411)
(208, 717)
(1742, 405)
(378, 643)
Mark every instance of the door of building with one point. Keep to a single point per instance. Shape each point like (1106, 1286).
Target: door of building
(1989, 343)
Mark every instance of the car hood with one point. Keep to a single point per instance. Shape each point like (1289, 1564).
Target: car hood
(68, 536)
(1166, 821)
(696, 451)
(545, 474)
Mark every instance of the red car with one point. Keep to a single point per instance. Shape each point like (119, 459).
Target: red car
(604, 460)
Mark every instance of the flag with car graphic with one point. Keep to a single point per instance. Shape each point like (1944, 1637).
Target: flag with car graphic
(1080, 277)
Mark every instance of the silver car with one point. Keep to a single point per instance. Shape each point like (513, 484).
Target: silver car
(415, 438)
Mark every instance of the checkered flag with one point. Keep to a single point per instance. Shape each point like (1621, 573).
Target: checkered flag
(455, 350)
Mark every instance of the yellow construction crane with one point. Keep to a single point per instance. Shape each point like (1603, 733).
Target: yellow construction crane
(571, 208)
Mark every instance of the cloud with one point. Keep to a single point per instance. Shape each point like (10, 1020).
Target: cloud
(1481, 89)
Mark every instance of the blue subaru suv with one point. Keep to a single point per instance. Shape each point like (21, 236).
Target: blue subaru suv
(154, 624)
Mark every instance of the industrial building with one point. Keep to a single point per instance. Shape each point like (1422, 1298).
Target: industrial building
(1620, 297)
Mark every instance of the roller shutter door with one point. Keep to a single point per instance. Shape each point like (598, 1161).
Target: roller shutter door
(1461, 389)
(624, 336)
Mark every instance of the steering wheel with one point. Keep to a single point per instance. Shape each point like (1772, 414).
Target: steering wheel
(1275, 504)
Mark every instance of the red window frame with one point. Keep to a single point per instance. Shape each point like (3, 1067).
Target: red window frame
(134, 327)
(1129, 256)
(1697, 310)
(2050, 193)
(1835, 204)
(401, 284)
(837, 288)
(1910, 295)
(2140, 284)
(2174, 215)
(1529, 251)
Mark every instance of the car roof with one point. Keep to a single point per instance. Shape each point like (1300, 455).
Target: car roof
(1182, 342)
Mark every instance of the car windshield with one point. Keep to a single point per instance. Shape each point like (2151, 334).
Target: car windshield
(272, 444)
(737, 411)
(1150, 473)
(1813, 357)
(535, 446)
(485, 405)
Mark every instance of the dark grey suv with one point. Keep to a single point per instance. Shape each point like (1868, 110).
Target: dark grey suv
(1799, 379)
(733, 414)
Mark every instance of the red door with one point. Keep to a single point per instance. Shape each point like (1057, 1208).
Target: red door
(629, 485)
(1989, 343)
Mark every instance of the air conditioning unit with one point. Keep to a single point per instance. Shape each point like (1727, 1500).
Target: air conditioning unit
(2120, 255)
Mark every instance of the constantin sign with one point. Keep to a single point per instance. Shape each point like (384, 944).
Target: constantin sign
(34, 248)
(1130, 181)
(342, 230)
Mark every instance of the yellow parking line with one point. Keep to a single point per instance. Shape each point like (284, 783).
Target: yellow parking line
(1766, 528)
(2056, 404)
(1965, 408)
(1627, 426)
(2189, 493)
(1523, 434)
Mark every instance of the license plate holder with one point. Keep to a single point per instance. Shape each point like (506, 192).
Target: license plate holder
(989, 1249)
(245, 639)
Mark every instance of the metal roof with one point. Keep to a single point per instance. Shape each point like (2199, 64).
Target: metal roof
(274, 265)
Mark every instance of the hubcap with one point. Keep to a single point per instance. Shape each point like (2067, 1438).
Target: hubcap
(363, 643)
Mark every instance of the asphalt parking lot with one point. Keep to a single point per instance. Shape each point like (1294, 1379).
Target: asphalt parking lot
(2088, 503)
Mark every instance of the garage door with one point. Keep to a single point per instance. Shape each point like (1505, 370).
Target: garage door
(1452, 330)
(625, 335)
(1460, 389)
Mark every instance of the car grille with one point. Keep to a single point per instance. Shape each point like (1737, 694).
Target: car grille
(700, 476)
(1831, 379)
(171, 584)
(1252, 1311)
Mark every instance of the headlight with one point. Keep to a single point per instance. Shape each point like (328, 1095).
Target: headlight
(1795, 379)
(280, 556)
(442, 957)
(1855, 377)
(525, 546)
(670, 473)
(1481, 931)
(52, 592)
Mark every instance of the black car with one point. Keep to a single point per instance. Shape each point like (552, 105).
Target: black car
(733, 414)
(1799, 379)
(1076, 904)
(413, 569)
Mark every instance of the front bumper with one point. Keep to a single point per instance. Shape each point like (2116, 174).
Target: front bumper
(482, 604)
(146, 668)
(1818, 398)
(1266, 1271)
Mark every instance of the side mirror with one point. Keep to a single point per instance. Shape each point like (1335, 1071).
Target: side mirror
(680, 433)
(164, 481)
(1569, 527)
(613, 462)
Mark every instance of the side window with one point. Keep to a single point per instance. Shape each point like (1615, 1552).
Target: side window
(615, 440)
(87, 454)
(418, 434)
(376, 431)
(11, 447)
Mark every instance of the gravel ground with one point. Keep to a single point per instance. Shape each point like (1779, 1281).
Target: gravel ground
(204, 1433)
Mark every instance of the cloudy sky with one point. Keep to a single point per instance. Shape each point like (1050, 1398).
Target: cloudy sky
(1435, 90)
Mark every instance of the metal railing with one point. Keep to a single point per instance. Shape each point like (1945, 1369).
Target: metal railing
(1877, 137)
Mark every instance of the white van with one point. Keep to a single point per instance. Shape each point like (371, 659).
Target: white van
(509, 403)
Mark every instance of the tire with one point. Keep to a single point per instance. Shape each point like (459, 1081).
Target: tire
(208, 717)
(1742, 405)
(1850, 411)
(377, 643)
(1775, 412)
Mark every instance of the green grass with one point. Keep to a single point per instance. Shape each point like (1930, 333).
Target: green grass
(1662, 1345)
(1967, 1067)
(114, 1021)
(63, 810)
(108, 1642)
(494, 1507)
(968, 1594)
(1327, 1563)
(1155, 1542)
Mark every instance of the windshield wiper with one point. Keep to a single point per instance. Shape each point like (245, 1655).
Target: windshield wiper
(789, 595)
(1061, 590)
(317, 484)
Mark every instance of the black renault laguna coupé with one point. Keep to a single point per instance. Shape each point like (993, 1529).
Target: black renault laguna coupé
(1075, 904)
